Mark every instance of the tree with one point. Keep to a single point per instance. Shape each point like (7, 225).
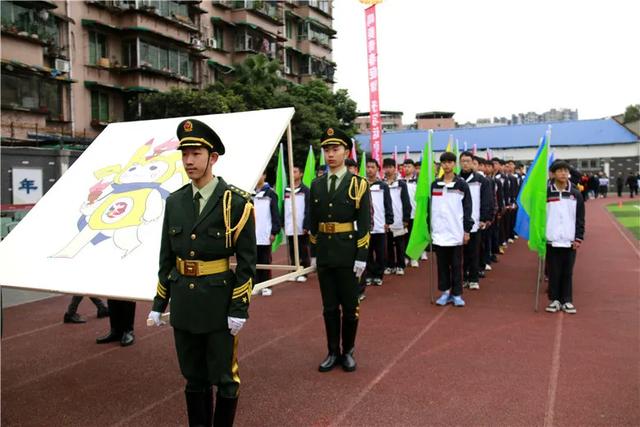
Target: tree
(632, 113)
(258, 85)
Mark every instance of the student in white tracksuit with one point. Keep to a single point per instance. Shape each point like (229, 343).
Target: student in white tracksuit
(301, 198)
(451, 222)
(265, 202)
(401, 213)
(564, 233)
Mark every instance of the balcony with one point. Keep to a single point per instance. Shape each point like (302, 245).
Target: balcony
(265, 9)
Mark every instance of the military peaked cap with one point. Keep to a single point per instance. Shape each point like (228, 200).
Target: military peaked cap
(194, 133)
(333, 136)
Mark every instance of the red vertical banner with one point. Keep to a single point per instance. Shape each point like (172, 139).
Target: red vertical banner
(375, 139)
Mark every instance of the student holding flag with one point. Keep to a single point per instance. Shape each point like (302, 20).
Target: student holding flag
(451, 223)
(411, 178)
(420, 236)
(564, 234)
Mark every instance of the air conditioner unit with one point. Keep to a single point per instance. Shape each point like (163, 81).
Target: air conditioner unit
(212, 43)
(196, 42)
(62, 65)
(287, 69)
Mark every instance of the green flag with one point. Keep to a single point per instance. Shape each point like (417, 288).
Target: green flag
(281, 184)
(363, 165)
(321, 157)
(456, 169)
(309, 168)
(533, 198)
(420, 236)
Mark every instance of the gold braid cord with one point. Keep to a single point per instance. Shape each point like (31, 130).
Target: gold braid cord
(364, 241)
(357, 190)
(226, 209)
(162, 291)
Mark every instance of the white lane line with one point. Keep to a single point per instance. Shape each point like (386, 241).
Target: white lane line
(553, 376)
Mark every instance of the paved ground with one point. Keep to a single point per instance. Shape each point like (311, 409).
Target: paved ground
(495, 362)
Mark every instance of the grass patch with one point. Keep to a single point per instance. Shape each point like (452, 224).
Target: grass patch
(628, 215)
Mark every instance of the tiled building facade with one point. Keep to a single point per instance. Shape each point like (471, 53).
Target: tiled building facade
(71, 67)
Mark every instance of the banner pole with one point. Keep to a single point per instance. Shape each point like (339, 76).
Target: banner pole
(292, 194)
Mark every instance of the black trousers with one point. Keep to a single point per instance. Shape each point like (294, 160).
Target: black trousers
(209, 359)
(449, 268)
(485, 250)
(495, 236)
(560, 263)
(395, 251)
(377, 257)
(504, 226)
(121, 315)
(619, 188)
(303, 250)
(339, 289)
(75, 302)
(512, 227)
(408, 235)
(471, 259)
(263, 257)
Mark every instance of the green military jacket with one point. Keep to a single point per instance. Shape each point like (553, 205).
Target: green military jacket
(225, 227)
(351, 202)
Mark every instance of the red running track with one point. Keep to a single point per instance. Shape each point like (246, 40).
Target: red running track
(495, 362)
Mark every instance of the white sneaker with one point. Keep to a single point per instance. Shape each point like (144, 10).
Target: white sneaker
(406, 261)
(266, 292)
(474, 285)
(414, 263)
(465, 284)
(301, 279)
(510, 240)
(487, 268)
(553, 307)
(399, 271)
(517, 237)
(389, 270)
(424, 256)
(567, 307)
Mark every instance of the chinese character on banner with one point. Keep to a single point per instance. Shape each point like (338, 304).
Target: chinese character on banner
(374, 100)
(26, 185)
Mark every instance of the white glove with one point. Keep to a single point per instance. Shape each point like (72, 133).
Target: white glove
(235, 324)
(155, 316)
(313, 261)
(359, 267)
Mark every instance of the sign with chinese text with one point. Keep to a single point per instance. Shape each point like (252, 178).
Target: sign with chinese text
(27, 185)
(374, 98)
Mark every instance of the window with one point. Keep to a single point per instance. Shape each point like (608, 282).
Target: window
(99, 106)
(167, 60)
(16, 18)
(32, 92)
(254, 41)
(218, 36)
(167, 8)
(323, 5)
(289, 28)
(129, 56)
(97, 47)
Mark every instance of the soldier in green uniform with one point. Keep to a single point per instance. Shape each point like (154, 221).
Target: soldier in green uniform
(206, 222)
(339, 235)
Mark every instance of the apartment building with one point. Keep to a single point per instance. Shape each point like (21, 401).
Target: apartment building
(391, 120)
(69, 68)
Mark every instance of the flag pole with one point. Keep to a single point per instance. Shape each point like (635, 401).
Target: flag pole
(431, 273)
(540, 270)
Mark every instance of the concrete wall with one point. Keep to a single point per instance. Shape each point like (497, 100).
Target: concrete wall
(53, 162)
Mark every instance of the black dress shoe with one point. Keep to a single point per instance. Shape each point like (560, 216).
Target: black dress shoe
(329, 362)
(73, 318)
(348, 362)
(112, 336)
(103, 312)
(127, 339)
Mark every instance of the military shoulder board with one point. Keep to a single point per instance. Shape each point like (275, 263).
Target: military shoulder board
(245, 195)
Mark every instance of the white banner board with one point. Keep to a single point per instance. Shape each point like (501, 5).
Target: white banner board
(26, 185)
(97, 230)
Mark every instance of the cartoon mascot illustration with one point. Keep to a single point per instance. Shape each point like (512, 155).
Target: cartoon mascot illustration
(125, 199)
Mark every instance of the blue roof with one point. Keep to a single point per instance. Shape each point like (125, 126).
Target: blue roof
(566, 133)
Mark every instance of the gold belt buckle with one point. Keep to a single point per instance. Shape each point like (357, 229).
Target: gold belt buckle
(191, 268)
(330, 227)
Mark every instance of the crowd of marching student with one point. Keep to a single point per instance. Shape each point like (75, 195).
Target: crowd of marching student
(472, 221)
(494, 186)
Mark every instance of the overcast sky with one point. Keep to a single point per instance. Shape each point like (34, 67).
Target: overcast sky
(486, 58)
